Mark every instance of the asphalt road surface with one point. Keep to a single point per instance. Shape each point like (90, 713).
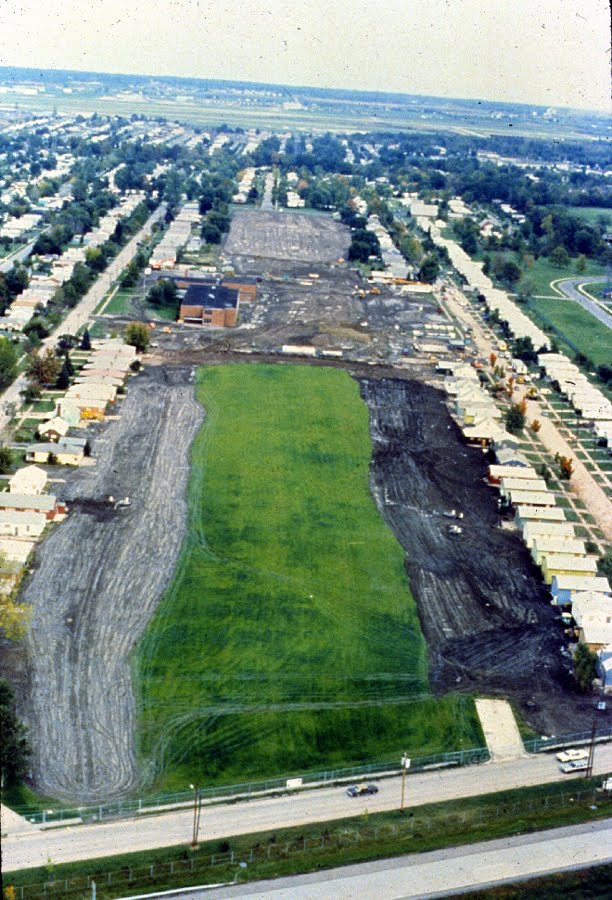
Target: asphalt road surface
(21, 851)
(18, 257)
(441, 872)
(569, 288)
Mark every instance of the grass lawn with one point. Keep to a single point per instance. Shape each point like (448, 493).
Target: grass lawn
(288, 640)
(591, 214)
(587, 333)
(543, 272)
(121, 302)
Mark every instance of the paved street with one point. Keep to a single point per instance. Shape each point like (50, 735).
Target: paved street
(570, 288)
(19, 256)
(89, 841)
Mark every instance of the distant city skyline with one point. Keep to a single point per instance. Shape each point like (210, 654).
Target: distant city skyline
(544, 52)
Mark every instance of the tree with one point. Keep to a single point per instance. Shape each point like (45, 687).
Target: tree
(566, 467)
(535, 426)
(581, 264)
(6, 460)
(14, 746)
(63, 379)
(68, 363)
(86, 340)
(429, 270)
(137, 334)
(43, 369)
(559, 257)
(515, 419)
(8, 362)
(605, 564)
(585, 667)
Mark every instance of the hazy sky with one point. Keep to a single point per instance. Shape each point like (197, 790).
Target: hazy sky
(551, 52)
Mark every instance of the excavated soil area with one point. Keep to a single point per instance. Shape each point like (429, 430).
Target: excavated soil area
(485, 614)
(97, 580)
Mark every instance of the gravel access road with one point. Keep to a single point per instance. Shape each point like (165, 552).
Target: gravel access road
(97, 580)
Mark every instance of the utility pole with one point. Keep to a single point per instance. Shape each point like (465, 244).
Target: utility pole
(197, 808)
(589, 768)
(405, 766)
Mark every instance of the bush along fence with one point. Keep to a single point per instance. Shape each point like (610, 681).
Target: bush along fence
(126, 808)
(364, 838)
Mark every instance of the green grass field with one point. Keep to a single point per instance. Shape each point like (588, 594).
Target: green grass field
(288, 640)
(591, 214)
(588, 334)
(543, 272)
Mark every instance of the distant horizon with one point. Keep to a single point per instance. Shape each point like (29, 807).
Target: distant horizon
(530, 52)
(300, 87)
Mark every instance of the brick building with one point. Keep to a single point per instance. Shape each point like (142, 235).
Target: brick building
(213, 306)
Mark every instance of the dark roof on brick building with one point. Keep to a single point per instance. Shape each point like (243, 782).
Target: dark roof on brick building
(210, 296)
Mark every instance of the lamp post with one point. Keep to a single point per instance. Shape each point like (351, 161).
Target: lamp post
(405, 767)
(197, 807)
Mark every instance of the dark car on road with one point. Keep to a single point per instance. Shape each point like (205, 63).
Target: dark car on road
(361, 790)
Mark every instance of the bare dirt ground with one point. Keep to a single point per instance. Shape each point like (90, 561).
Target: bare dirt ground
(286, 236)
(96, 581)
(484, 610)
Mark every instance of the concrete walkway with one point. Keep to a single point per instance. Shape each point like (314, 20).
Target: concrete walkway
(500, 729)
(440, 873)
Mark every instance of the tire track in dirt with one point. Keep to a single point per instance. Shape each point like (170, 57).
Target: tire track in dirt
(97, 580)
(484, 611)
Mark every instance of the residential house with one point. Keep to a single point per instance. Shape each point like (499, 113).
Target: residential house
(567, 564)
(565, 587)
(28, 480)
(53, 429)
(18, 524)
(43, 503)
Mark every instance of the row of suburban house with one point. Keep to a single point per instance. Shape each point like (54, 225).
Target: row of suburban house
(568, 570)
(41, 288)
(589, 403)
(165, 254)
(26, 509)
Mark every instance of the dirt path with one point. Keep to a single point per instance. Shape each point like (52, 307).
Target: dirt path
(97, 580)
(484, 611)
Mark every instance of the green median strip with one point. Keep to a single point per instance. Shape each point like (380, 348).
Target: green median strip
(290, 851)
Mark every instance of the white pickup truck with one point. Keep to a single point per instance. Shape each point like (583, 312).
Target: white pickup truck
(572, 755)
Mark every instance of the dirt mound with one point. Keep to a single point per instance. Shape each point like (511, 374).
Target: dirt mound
(484, 610)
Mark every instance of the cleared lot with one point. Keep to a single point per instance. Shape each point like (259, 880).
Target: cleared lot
(283, 235)
(96, 581)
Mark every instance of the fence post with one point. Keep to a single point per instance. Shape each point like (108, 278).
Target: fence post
(100, 812)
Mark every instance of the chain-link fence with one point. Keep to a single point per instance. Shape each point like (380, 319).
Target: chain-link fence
(227, 865)
(125, 808)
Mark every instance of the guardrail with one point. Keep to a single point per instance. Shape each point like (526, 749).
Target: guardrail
(142, 806)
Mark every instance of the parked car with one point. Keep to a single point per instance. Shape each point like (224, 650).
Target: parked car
(361, 790)
(571, 755)
(578, 765)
